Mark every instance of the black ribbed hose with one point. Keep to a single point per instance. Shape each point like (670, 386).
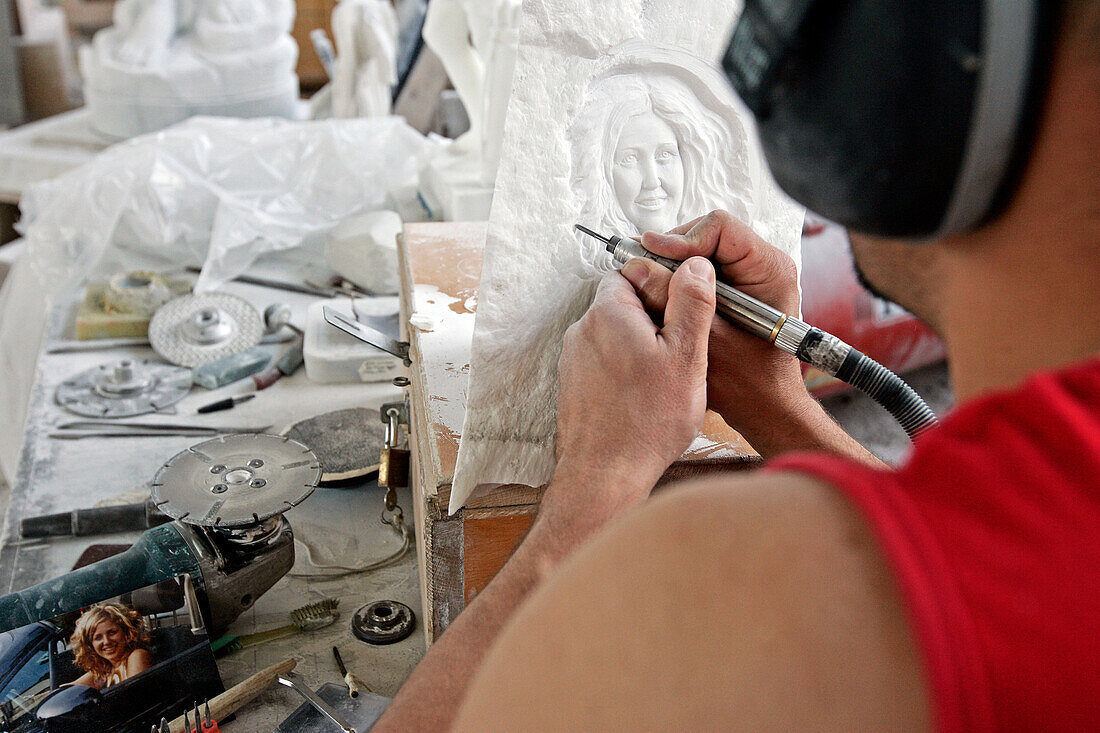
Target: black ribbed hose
(887, 389)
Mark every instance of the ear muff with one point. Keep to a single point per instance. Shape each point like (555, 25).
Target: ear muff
(898, 118)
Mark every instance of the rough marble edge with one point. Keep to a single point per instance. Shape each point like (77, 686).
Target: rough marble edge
(528, 464)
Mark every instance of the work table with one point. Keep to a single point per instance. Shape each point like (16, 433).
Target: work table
(342, 524)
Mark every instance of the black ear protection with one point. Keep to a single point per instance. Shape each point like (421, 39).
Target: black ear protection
(899, 118)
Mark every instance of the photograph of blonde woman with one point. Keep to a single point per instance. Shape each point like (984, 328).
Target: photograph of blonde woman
(110, 644)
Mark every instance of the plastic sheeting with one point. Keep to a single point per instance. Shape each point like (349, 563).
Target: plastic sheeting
(211, 191)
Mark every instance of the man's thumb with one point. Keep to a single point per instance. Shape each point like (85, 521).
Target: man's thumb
(690, 305)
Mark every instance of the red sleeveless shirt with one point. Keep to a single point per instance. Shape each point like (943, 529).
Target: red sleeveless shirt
(992, 531)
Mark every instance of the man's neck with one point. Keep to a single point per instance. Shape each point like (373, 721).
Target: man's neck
(1020, 295)
(1020, 300)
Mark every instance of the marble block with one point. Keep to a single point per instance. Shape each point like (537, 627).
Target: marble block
(618, 119)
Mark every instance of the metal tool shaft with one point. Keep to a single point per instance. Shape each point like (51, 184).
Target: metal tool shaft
(771, 324)
(295, 682)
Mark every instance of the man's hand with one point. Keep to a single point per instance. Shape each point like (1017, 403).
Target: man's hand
(632, 399)
(755, 387)
(750, 382)
(632, 395)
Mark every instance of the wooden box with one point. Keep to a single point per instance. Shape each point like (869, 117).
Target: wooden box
(310, 15)
(88, 16)
(440, 266)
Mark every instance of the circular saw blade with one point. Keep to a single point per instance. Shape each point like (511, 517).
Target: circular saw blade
(196, 329)
(236, 480)
(124, 388)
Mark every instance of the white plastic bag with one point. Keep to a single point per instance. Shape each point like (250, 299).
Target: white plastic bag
(214, 192)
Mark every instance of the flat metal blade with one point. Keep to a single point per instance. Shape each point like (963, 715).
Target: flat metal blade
(365, 333)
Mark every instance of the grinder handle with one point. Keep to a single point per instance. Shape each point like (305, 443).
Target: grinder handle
(159, 554)
(99, 520)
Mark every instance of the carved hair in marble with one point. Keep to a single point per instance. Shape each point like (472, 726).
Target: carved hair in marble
(647, 154)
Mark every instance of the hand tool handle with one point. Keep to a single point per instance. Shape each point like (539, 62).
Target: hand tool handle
(218, 406)
(287, 363)
(270, 635)
(85, 522)
(266, 378)
(226, 404)
(239, 695)
(293, 358)
(142, 433)
(353, 685)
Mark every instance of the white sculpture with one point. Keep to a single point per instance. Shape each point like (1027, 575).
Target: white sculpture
(476, 40)
(166, 60)
(366, 61)
(622, 126)
(648, 155)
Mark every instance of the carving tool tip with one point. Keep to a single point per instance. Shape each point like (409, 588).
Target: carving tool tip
(589, 232)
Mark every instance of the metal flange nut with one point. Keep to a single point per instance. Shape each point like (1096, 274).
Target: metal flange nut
(383, 622)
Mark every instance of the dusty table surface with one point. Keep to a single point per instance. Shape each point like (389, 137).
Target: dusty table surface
(342, 525)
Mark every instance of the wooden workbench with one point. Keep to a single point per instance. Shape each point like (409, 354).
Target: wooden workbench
(440, 268)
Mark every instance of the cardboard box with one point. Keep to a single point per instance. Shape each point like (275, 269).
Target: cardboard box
(43, 74)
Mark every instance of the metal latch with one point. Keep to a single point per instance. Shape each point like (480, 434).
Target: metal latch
(393, 467)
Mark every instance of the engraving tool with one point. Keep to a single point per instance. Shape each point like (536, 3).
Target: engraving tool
(794, 336)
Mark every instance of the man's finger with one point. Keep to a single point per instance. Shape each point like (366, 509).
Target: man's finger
(617, 303)
(686, 226)
(677, 246)
(690, 306)
(650, 281)
(747, 261)
(613, 288)
(718, 234)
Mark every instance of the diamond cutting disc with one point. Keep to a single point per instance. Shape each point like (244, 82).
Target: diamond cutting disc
(236, 480)
(124, 388)
(196, 329)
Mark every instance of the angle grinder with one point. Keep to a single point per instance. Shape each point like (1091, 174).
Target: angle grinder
(227, 497)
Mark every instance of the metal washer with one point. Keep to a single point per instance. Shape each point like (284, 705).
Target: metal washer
(124, 388)
(196, 329)
(236, 480)
(383, 622)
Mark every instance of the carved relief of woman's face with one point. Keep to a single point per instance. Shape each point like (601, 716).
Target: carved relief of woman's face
(648, 174)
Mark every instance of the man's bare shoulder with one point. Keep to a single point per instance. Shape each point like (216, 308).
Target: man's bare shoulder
(755, 602)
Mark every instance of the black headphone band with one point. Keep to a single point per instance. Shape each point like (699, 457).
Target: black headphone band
(1011, 40)
(899, 118)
